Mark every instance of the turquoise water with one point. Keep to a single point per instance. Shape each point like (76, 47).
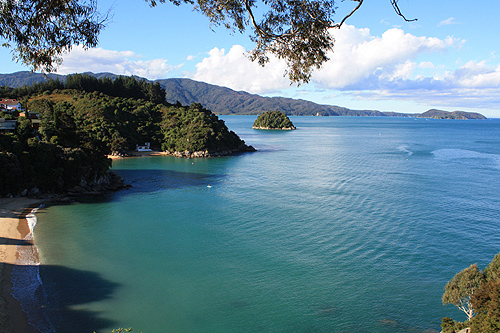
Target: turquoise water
(344, 225)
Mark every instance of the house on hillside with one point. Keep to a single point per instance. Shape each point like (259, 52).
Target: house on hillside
(34, 118)
(9, 105)
(7, 125)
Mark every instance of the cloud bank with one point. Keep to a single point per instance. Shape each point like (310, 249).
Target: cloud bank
(369, 67)
(99, 60)
(362, 66)
(235, 70)
(359, 61)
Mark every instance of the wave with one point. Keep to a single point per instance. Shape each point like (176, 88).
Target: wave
(405, 149)
(463, 154)
(27, 285)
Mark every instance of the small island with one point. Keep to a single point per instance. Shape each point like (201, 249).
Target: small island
(440, 114)
(273, 120)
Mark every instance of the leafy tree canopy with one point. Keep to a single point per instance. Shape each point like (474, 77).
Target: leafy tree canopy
(477, 293)
(41, 30)
(294, 30)
(273, 120)
(459, 290)
(486, 302)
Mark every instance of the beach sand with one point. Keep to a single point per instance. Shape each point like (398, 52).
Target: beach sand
(13, 228)
(139, 154)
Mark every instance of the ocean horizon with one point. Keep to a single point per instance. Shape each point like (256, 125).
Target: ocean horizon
(347, 224)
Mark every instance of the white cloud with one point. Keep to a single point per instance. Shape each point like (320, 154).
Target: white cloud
(117, 62)
(448, 21)
(359, 60)
(474, 85)
(235, 70)
(358, 56)
(190, 57)
(403, 71)
(478, 75)
(425, 64)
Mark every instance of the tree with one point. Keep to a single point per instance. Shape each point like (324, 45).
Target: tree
(297, 31)
(460, 289)
(273, 120)
(42, 30)
(476, 293)
(492, 272)
(486, 302)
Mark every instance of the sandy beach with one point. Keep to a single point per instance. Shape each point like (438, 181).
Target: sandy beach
(13, 228)
(139, 154)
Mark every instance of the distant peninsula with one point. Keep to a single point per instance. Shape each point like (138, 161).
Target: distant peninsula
(273, 120)
(225, 101)
(440, 114)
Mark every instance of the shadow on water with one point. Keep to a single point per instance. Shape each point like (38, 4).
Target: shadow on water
(156, 180)
(58, 298)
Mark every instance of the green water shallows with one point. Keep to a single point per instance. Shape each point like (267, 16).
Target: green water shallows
(344, 225)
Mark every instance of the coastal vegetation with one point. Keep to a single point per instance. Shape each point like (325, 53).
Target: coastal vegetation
(273, 120)
(225, 101)
(84, 119)
(477, 294)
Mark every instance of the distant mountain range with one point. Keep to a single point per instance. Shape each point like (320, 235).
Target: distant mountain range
(222, 100)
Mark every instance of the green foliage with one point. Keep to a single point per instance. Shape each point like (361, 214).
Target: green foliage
(448, 325)
(459, 290)
(297, 31)
(119, 123)
(80, 127)
(273, 120)
(195, 128)
(492, 272)
(476, 293)
(10, 174)
(41, 31)
(486, 302)
(121, 86)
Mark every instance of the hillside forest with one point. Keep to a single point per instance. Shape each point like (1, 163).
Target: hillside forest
(84, 119)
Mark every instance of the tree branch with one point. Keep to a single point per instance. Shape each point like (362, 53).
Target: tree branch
(394, 4)
(350, 14)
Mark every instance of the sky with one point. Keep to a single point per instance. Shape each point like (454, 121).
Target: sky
(449, 59)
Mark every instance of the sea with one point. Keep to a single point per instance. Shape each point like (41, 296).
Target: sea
(347, 224)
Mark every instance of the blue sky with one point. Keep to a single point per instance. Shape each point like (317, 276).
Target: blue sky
(449, 59)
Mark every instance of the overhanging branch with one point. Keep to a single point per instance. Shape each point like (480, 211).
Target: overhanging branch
(394, 4)
(360, 2)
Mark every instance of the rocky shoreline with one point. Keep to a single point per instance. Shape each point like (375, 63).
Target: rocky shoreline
(106, 184)
(273, 128)
(206, 153)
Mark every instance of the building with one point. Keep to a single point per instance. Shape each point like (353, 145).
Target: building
(33, 117)
(7, 125)
(146, 147)
(9, 105)
(29, 115)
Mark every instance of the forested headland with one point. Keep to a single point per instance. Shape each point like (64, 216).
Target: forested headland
(84, 119)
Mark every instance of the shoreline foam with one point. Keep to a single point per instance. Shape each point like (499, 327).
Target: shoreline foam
(27, 286)
(13, 230)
